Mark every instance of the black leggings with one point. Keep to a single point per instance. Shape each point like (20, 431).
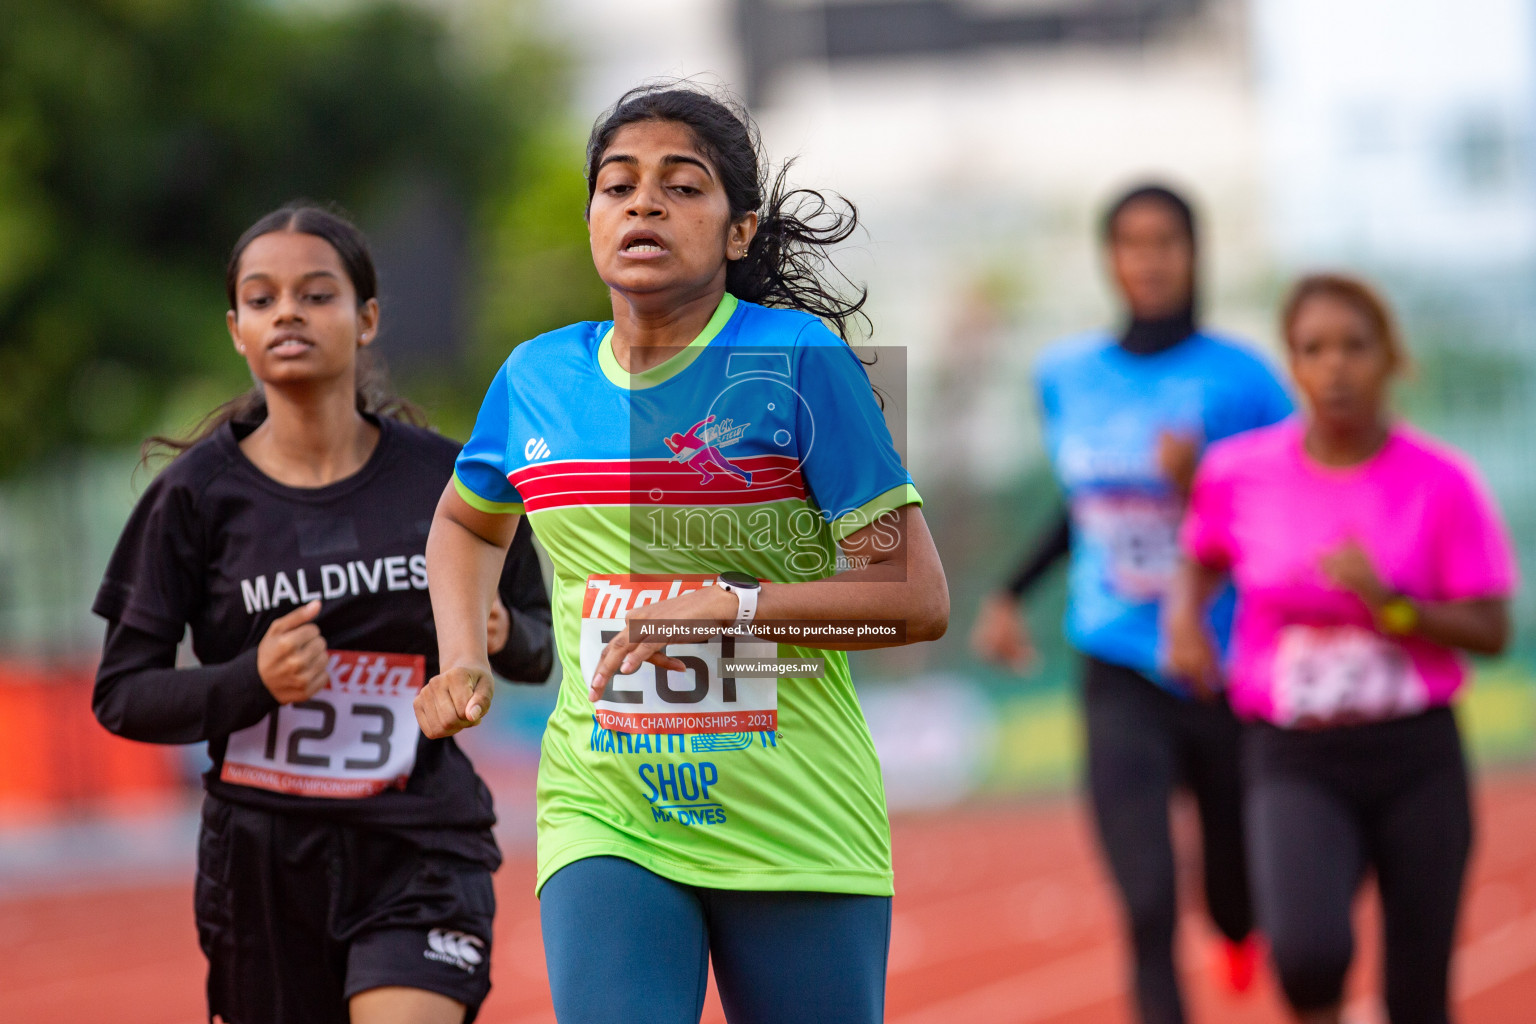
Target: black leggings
(1325, 806)
(1143, 742)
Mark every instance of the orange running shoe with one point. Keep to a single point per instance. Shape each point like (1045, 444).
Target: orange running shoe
(1239, 961)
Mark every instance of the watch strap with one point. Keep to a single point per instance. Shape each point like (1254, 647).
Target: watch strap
(1398, 616)
(746, 600)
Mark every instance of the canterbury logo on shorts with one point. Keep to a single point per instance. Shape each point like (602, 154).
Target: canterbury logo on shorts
(460, 949)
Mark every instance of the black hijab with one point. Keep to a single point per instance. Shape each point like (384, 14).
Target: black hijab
(1148, 337)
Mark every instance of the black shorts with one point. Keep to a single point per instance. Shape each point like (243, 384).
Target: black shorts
(298, 914)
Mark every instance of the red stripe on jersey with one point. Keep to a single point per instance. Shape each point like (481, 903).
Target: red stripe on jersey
(565, 483)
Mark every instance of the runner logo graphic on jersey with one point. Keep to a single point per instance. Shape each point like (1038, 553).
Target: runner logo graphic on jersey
(457, 948)
(699, 449)
(536, 449)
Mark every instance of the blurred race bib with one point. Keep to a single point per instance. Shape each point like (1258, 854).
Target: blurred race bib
(1336, 675)
(355, 738)
(655, 700)
(1138, 535)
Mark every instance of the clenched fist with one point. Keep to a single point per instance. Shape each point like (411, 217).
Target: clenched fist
(291, 658)
(1178, 455)
(453, 701)
(1001, 636)
(1190, 654)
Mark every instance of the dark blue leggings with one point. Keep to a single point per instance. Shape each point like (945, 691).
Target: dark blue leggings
(625, 944)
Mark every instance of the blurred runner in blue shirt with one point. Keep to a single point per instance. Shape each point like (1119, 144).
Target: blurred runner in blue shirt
(1125, 418)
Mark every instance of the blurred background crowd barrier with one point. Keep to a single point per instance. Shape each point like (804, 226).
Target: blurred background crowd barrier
(980, 139)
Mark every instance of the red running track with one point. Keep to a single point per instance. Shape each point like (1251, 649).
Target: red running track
(1002, 915)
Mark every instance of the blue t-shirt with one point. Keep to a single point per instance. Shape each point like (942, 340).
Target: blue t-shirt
(1104, 410)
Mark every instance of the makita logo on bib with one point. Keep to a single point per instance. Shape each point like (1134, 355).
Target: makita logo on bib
(611, 596)
(535, 449)
(460, 949)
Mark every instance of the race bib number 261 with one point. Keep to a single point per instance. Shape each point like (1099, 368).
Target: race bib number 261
(355, 738)
(656, 700)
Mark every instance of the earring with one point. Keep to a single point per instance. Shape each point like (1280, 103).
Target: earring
(240, 349)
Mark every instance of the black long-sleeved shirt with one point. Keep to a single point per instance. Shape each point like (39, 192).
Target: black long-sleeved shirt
(218, 546)
(142, 695)
(1052, 545)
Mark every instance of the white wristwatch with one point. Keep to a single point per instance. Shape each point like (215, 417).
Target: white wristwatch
(746, 588)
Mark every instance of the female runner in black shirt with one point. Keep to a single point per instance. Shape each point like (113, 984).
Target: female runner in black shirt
(344, 865)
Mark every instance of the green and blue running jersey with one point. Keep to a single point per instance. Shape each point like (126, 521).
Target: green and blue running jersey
(755, 448)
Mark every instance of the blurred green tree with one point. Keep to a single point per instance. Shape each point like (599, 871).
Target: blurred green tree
(139, 137)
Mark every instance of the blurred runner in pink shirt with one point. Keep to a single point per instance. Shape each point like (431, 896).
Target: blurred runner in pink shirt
(1309, 651)
(1366, 558)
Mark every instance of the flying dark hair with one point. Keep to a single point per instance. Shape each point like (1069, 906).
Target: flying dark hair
(787, 263)
(374, 395)
(1156, 193)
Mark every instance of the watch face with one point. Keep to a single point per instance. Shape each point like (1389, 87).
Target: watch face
(740, 580)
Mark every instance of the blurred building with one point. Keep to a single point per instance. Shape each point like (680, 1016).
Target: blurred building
(1398, 132)
(979, 139)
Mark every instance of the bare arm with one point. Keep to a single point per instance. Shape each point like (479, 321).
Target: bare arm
(1479, 625)
(901, 580)
(1189, 651)
(1000, 634)
(465, 554)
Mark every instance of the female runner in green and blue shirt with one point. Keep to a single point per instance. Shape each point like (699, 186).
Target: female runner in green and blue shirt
(714, 432)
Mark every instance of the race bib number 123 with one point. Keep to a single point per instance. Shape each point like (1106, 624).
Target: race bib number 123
(355, 738)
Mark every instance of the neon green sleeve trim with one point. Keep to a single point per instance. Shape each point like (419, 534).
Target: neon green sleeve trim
(495, 508)
(871, 510)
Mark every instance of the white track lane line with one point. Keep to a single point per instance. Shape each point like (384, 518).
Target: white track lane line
(1483, 963)
(1494, 957)
(1071, 983)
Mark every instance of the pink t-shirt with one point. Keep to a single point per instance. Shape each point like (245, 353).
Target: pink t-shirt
(1304, 652)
